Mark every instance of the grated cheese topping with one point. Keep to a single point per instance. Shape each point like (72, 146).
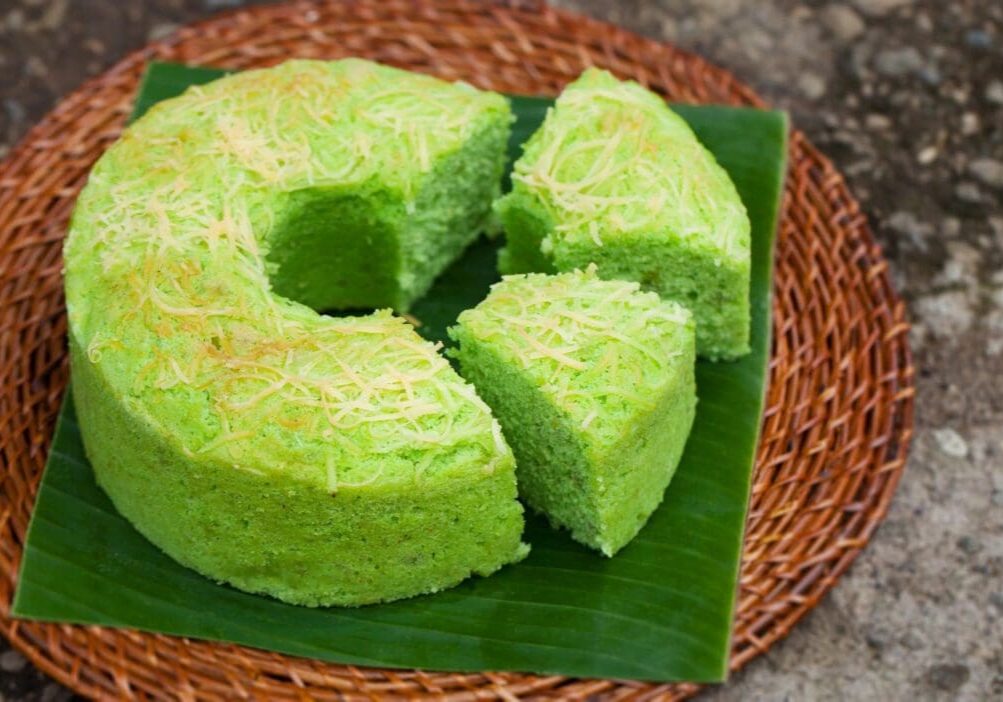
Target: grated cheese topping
(592, 345)
(168, 291)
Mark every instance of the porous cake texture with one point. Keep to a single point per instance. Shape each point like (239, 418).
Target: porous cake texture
(615, 177)
(319, 460)
(593, 383)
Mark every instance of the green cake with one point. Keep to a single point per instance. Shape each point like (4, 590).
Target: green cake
(615, 177)
(319, 460)
(593, 382)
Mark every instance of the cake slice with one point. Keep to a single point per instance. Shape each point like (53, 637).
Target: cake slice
(615, 177)
(593, 384)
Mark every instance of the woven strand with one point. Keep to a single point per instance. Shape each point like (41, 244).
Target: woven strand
(838, 416)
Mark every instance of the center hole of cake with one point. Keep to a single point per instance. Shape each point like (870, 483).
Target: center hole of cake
(335, 252)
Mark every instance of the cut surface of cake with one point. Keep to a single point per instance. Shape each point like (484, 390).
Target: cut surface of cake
(593, 383)
(616, 178)
(324, 461)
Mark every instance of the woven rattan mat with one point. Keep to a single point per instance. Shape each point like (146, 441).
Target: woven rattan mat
(838, 415)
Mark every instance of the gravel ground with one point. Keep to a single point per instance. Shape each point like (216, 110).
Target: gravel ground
(907, 97)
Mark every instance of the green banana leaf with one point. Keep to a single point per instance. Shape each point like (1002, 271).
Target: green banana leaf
(660, 610)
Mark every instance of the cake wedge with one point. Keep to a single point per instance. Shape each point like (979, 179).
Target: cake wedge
(593, 384)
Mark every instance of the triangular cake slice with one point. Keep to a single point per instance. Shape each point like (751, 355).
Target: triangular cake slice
(593, 384)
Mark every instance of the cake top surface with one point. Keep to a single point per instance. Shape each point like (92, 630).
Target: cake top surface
(613, 160)
(167, 280)
(595, 347)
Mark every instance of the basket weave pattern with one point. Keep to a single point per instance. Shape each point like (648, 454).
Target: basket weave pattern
(839, 407)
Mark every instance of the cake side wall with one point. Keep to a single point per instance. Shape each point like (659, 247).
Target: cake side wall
(637, 471)
(291, 540)
(453, 205)
(553, 472)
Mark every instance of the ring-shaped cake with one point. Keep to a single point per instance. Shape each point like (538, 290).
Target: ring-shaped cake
(322, 460)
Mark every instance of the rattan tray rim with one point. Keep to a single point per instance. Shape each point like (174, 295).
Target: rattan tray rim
(544, 43)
